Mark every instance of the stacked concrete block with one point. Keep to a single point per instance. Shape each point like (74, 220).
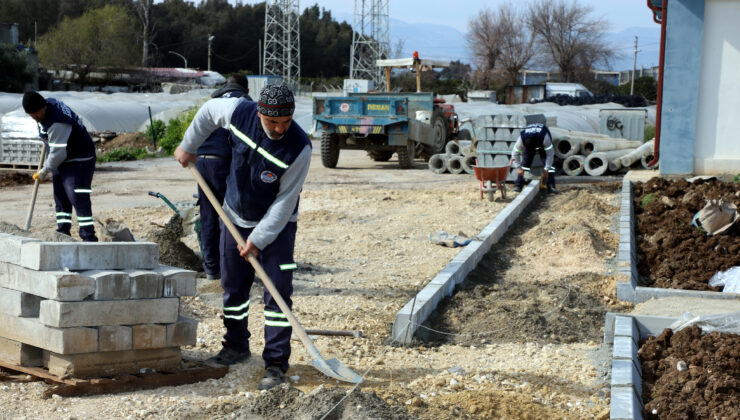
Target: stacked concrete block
(496, 136)
(85, 310)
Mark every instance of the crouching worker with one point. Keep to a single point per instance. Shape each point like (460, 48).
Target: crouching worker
(71, 161)
(535, 138)
(269, 163)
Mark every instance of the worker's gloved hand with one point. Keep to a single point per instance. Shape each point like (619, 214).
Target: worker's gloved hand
(40, 176)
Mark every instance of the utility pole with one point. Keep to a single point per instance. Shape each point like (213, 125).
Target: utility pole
(634, 67)
(210, 38)
(259, 65)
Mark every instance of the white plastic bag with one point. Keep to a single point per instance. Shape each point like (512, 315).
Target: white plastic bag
(723, 323)
(729, 278)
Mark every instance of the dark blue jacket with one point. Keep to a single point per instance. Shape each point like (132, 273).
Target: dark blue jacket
(218, 142)
(79, 144)
(258, 163)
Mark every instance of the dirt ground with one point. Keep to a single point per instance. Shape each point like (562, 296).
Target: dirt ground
(131, 140)
(687, 375)
(524, 332)
(673, 253)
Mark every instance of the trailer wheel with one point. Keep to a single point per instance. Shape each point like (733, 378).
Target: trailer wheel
(440, 133)
(406, 155)
(380, 155)
(329, 149)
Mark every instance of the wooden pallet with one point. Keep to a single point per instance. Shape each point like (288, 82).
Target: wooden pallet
(191, 371)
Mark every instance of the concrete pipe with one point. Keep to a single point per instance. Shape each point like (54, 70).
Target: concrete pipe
(454, 147)
(632, 157)
(614, 165)
(647, 158)
(598, 163)
(565, 147)
(466, 150)
(454, 165)
(438, 163)
(573, 165)
(604, 145)
(468, 161)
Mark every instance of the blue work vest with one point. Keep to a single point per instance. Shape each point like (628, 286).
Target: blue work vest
(258, 163)
(534, 135)
(79, 144)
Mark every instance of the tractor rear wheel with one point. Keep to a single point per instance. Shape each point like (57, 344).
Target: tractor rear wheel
(329, 149)
(406, 155)
(440, 134)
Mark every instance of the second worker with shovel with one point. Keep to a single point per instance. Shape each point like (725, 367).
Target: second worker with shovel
(270, 161)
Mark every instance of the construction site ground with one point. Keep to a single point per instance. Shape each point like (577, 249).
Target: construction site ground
(363, 250)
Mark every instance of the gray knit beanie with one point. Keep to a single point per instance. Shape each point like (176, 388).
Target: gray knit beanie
(276, 101)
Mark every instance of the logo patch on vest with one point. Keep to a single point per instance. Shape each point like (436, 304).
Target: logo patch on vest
(268, 177)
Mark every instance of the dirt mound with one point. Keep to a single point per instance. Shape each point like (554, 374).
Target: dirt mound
(12, 179)
(172, 251)
(46, 235)
(130, 140)
(673, 253)
(708, 387)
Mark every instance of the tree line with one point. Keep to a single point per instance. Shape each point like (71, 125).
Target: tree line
(140, 33)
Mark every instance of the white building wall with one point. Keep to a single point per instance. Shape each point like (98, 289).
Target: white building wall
(717, 146)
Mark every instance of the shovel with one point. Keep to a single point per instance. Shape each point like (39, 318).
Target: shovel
(333, 367)
(35, 191)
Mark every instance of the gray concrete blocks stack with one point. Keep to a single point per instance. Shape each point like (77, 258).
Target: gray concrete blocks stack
(91, 309)
(496, 135)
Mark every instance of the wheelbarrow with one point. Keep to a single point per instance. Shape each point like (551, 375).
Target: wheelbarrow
(492, 178)
(188, 216)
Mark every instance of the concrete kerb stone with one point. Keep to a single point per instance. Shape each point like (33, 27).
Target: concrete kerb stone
(56, 285)
(627, 281)
(11, 245)
(109, 312)
(79, 256)
(15, 303)
(177, 281)
(407, 321)
(624, 331)
(110, 284)
(145, 284)
(59, 340)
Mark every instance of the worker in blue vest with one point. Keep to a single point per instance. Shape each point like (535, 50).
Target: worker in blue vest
(213, 162)
(71, 161)
(535, 138)
(270, 156)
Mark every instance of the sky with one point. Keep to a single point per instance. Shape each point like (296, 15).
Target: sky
(621, 14)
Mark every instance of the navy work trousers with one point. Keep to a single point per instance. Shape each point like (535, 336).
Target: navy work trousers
(527, 158)
(237, 276)
(214, 171)
(72, 188)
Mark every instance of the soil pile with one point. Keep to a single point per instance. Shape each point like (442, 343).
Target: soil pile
(172, 251)
(46, 235)
(124, 140)
(674, 253)
(687, 375)
(11, 179)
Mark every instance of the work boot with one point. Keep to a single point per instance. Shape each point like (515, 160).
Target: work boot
(213, 277)
(552, 190)
(517, 188)
(274, 376)
(230, 355)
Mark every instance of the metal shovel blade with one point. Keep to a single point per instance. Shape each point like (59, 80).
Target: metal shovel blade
(332, 367)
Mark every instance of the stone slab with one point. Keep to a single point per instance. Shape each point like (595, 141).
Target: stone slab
(625, 404)
(56, 285)
(149, 336)
(15, 303)
(111, 363)
(80, 256)
(177, 281)
(20, 354)
(109, 284)
(109, 312)
(182, 333)
(115, 338)
(145, 284)
(59, 340)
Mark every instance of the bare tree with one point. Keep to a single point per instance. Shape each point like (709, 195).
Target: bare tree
(516, 46)
(569, 34)
(484, 39)
(144, 10)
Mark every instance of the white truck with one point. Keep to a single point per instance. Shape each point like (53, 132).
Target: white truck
(576, 90)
